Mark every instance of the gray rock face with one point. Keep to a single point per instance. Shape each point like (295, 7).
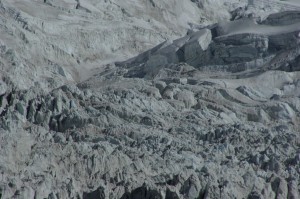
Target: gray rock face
(213, 114)
(283, 18)
(225, 46)
(118, 136)
(52, 42)
(197, 43)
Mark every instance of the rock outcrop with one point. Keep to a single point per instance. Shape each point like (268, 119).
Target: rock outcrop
(231, 46)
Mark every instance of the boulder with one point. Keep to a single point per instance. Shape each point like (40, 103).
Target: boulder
(198, 42)
(187, 97)
(281, 111)
(191, 187)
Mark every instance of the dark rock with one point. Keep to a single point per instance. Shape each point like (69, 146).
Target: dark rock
(97, 194)
(254, 195)
(283, 18)
(191, 187)
(171, 195)
(142, 193)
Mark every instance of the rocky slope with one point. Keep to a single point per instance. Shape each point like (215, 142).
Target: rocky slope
(51, 42)
(211, 114)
